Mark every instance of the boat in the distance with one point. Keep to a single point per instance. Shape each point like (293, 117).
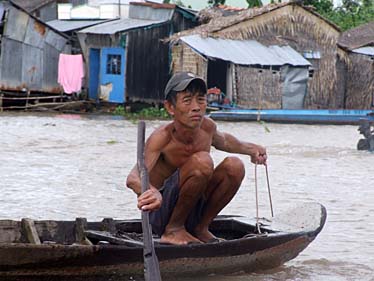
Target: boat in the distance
(81, 250)
(296, 116)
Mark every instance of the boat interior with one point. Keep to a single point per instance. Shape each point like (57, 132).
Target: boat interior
(107, 231)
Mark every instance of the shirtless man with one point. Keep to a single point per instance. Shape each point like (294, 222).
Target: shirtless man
(186, 190)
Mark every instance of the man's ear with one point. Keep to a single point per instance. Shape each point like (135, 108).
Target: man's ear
(169, 107)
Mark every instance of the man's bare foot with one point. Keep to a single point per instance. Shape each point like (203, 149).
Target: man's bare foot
(178, 236)
(204, 235)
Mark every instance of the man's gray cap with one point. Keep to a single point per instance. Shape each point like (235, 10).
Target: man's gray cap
(180, 81)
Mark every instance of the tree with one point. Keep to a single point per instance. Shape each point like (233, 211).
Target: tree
(322, 6)
(350, 14)
(254, 3)
(215, 3)
(176, 2)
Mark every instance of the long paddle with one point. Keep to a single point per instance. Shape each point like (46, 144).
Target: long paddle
(151, 266)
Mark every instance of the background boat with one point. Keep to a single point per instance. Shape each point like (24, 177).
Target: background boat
(302, 116)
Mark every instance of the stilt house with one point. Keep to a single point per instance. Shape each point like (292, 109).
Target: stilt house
(264, 84)
(126, 59)
(29, 52)
(359, 43)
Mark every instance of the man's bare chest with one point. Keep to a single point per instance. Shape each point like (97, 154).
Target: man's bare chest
(176, 154)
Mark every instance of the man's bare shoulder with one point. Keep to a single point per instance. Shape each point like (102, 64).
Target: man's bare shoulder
(209, 125)
(160, 137)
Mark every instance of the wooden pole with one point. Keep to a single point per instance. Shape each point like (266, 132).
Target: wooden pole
(27, 99)
(151, 266)
(260, 95)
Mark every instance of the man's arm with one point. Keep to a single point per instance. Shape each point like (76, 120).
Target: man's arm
(151, 199)
(229, 143)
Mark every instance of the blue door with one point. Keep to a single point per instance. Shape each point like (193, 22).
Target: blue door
(94, 74)
(112, 74)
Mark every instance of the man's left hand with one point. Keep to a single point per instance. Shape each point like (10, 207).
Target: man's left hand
(260, 156)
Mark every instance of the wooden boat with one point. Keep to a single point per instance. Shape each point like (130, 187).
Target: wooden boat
(304, 116)
(77, 250)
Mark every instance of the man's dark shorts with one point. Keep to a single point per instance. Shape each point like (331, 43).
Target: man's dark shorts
(170, 193)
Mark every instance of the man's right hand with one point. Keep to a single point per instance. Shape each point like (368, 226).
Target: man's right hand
(150, 200)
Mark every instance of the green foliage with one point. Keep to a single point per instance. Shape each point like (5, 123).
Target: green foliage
(119, 110)
(350, 14)
(176, 2)
(254, 3)
(145, 113)
(179, 3)
(216, 2)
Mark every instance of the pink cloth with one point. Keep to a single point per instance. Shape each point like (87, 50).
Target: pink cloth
(70, 72)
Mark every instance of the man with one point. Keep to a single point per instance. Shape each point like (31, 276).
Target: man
(365, 129)
(186, 190)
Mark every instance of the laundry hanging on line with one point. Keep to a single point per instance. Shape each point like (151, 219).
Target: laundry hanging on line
(70, 72)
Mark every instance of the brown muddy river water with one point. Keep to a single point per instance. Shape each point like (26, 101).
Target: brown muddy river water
(67, 166)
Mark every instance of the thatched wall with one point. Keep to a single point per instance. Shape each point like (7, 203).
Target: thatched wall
(185, 59)
(294, 26)
(257, 89)
(360, 84)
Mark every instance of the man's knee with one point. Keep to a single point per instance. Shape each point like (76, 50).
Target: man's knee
(201, 164)
(234, 167)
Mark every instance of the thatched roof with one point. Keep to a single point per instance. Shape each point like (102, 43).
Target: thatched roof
(32, 5)
(207, 14)
(220, 23)
(360, 36)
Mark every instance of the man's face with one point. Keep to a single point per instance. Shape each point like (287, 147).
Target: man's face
(189, 108)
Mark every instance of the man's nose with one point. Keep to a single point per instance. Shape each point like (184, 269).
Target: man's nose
(195, 105)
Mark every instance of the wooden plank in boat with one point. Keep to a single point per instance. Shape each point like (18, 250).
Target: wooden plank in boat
(107, 236)
(30, 232)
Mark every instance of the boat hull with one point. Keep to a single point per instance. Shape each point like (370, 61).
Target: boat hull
(22, 261)
(337, 117)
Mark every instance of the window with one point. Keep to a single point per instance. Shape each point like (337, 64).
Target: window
(316, 55)
(113, 65)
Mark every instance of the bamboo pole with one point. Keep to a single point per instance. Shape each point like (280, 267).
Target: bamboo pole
(260, 95)
(30, 98)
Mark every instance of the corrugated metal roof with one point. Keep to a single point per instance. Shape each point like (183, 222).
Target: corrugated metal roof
(289, 55)
(365, 51)
(69, 25)
(119, 25)
(147, 11)
(245, 52)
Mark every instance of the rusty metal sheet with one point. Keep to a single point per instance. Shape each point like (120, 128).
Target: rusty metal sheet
(35, 33)
(50, 68)
(16, 24)
(32, 67)
(27, 67)
(56, 40)
(11, 63)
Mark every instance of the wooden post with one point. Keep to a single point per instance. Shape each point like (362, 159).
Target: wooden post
(27, 99)
(30, 232)
(80, 227)
(1, 102)
(109, 225)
